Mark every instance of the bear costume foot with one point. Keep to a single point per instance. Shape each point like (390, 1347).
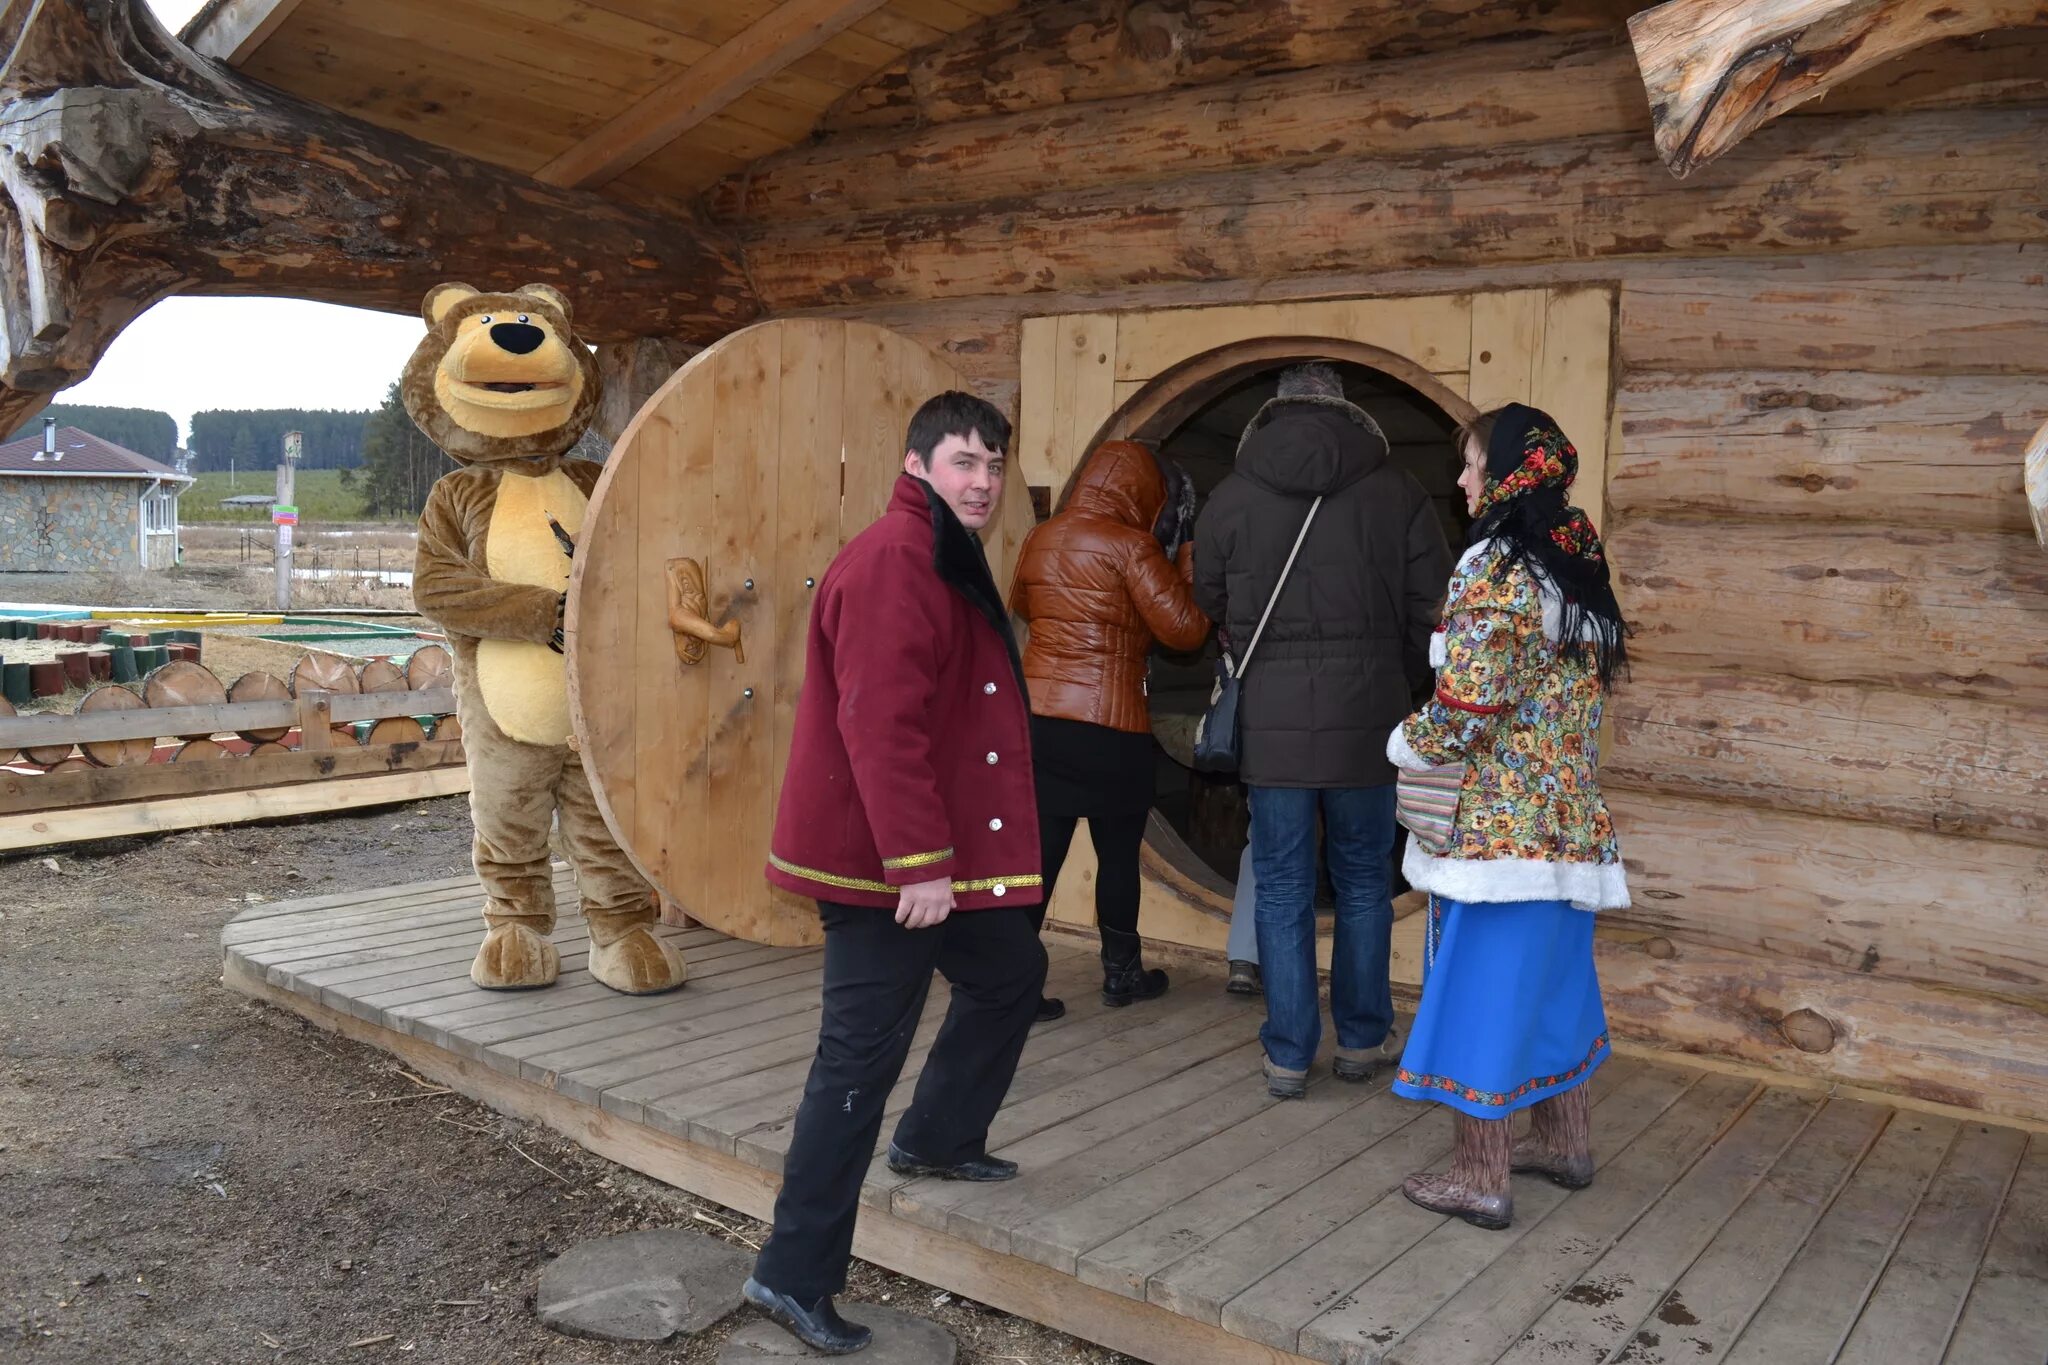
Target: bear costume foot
(628, 956)
(515, 958)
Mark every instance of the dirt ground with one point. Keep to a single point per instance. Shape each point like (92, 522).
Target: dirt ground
(193, 1177)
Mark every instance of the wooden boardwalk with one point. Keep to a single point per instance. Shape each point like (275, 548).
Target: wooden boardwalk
(1170, 1210)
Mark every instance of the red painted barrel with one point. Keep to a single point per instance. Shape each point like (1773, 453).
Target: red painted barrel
(46, 679)
(100, 663)
(70, 632)
(90, 631)
(77, 669)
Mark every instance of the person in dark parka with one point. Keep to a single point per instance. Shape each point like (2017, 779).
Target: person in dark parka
(1340, 662)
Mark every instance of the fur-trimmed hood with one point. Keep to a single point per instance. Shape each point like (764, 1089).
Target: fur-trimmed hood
(1310, 446)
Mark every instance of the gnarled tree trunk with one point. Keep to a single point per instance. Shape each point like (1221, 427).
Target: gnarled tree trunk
(134, 169)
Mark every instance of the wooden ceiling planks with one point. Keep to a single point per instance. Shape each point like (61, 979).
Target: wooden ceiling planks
(584, 91)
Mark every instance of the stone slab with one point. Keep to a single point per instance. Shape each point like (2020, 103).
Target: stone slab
(900, 1339)
(642, 1286)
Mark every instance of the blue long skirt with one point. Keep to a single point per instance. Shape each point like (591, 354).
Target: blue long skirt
(1510, 1010)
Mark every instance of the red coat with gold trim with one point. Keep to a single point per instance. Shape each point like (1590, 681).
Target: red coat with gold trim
(911, 754)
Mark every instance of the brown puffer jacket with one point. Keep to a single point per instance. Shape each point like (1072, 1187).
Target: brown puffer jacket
(1097, 590)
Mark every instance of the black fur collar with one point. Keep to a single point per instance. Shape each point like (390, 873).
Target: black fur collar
(962, 564)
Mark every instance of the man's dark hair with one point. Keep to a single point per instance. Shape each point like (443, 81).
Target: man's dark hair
(954, 413)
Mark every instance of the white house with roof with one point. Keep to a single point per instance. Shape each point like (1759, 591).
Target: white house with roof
(70, 501)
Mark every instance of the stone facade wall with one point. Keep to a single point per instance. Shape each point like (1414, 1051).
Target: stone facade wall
(67, 525)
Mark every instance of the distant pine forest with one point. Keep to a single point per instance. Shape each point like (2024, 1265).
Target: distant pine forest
(239, 438)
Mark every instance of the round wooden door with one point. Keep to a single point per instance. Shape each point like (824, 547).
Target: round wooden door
(757, 461)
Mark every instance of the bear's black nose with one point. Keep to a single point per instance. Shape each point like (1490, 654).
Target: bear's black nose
(519, 338)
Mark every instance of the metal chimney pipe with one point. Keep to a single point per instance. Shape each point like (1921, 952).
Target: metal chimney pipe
(49, 436)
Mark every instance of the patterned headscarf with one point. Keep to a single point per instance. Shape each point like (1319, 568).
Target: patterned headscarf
(1530, 466)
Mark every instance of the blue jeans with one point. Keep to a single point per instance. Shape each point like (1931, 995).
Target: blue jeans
(1358, 829)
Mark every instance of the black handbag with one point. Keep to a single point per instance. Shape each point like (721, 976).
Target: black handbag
(1217, 739)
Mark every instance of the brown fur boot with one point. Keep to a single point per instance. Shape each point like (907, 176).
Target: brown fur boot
(1559, 1143)
(1476, 1187)
(516, 954)
(627, 955)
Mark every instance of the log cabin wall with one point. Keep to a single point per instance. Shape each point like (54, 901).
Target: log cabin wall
(1831, 766)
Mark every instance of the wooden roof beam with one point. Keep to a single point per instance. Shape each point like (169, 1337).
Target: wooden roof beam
(1717, 70)
(786, 34)
(232, 30)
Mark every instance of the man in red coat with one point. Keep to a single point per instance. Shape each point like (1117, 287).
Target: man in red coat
(908, 814)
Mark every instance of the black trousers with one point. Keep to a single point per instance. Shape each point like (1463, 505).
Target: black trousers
(1117, 840)
(877, 974)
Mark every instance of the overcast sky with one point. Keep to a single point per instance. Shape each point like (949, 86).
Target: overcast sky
(189, 354)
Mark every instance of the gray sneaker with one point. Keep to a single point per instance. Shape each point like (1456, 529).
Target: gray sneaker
(1363, 1063)
(1281, 1083)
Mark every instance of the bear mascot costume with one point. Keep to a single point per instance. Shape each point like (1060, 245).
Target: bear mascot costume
(505, 388)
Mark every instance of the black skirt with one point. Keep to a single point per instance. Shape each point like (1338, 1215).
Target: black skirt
(1084, 770)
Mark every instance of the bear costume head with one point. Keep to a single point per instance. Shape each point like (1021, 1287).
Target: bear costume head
(500, 377)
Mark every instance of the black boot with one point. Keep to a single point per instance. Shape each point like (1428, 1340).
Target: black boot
(1125, 977)
(817, 1325)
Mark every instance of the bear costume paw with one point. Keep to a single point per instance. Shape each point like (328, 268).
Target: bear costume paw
(515, 958)
(628, 956)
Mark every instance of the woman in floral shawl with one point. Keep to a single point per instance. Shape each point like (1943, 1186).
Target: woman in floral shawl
(1531, 640)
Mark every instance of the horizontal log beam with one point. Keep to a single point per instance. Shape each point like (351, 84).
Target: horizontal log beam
(1951, 178)
(1923, 450)
(1905, 607)
(1970, 1050)
(155, 722)
(1495, 94)
(1536, 91)
(1953, 766)
(1972, 309)
(1074, 51)
(1970, 913)
(135, 170)
(1717, 70)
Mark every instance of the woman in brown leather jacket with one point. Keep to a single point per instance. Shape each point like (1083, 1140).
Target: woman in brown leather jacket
(1097, 587)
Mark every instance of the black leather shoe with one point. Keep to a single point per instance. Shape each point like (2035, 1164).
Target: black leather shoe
(819, 1326)
(1244, 978)
(1049, 1010)
(981, 1170)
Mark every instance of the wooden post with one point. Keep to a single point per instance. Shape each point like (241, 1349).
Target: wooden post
(285, 515)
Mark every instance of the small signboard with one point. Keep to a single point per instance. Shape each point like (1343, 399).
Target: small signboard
(293, 442)
(283, 514)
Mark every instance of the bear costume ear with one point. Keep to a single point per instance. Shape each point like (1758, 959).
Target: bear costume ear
(551, 295)
(443, 297)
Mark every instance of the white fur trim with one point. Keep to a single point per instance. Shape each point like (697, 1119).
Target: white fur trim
(1437, 651)
(1588, 886)
(1546, 592)
(1402, 754)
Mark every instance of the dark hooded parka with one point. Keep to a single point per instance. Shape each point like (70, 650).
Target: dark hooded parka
(1346, 652)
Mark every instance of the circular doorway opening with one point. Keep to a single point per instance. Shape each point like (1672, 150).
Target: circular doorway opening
(1196, 415)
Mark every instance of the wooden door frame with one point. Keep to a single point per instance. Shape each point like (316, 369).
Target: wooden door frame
(1167, 400)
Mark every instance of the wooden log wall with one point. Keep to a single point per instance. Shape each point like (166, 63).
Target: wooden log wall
(1816, 513)
(1832, 762)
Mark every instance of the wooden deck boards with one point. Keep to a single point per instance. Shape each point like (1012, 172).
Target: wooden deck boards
(1171, 1209)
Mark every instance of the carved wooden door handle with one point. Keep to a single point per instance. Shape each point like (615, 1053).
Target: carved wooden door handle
(688, 601)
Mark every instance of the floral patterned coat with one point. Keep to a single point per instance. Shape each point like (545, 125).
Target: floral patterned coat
(1525, 718)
